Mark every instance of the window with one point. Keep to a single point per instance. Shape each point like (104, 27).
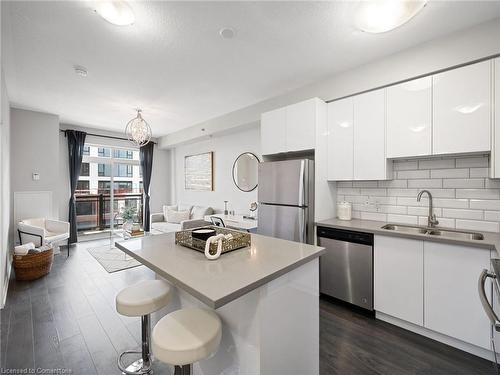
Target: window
(86, 150)
(103, 187)
(104, 170)
(85, 171)
(123, 170)
(104, 152)
(123, 154)
(123, 186)
(82, 186)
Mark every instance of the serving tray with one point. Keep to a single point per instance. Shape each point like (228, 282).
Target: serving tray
(239, 240)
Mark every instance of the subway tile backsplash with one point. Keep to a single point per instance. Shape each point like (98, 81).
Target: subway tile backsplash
(464, 196)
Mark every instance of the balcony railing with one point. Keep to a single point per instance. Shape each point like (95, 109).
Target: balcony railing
(93, 211)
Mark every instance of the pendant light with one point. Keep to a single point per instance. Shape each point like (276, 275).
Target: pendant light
(138, 131)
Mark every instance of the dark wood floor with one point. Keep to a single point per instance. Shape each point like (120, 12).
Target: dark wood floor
(67, 320)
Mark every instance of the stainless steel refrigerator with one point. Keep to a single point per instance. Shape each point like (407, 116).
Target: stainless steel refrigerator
(286, 200)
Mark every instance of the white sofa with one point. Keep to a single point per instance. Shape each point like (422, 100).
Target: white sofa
(196, 218)
(42, 231)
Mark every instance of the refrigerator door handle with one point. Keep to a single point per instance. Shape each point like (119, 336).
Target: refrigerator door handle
(302, 182)
(302, 226)
(484, 300)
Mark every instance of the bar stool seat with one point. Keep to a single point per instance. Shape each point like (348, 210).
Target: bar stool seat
(143, 298)
(140, 300)
(186, 336)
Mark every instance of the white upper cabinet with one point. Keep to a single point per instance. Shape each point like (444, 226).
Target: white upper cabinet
(462, 109)
(301, 125)
(399, 278)
(495, 143)
(291, 128)
(369, 136)
(451, 299)
(340, 140)
(273, 131)
(409, 118)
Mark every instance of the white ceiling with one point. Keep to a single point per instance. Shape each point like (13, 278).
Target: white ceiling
(174, 65)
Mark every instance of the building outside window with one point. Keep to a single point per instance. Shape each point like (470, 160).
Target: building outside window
(123, 170)
(104, 170)
(82, 187)
(123, 154)
(85, 171)
(104, 152)
(86, 150)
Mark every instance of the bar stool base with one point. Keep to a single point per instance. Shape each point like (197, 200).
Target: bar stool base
(137, 367)
(182, 370)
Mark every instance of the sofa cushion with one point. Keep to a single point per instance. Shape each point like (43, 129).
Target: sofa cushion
(177, 216)
(166, 227)
(185, 207)
(166, 208)
(199, 212)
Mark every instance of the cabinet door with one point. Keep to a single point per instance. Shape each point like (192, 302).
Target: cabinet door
(340, 140)
(369, 136)
(495, 152)
(462, 109)
(409, 117)
(273, 131)
(398, 278)
(301, 125)
(451, 299)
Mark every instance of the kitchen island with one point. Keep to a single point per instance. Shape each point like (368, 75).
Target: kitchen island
(266, 295)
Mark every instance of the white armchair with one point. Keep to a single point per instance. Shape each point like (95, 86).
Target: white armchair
(42, 231)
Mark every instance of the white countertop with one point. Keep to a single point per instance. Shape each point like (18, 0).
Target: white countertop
(217, 282)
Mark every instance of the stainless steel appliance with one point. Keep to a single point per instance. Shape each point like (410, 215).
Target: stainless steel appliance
(286, 200)
(346, 269)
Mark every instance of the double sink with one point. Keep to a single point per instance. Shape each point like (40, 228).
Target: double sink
(438, 232)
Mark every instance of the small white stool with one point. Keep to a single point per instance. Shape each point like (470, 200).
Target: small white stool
(186, 336)
(142, 299)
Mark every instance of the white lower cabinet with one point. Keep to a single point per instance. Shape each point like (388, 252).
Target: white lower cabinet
(451, 299)
(398, 278)
(432, 285)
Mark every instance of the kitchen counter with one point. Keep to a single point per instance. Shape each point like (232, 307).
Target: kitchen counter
(490, 241)
(218, 282)
(260, 293)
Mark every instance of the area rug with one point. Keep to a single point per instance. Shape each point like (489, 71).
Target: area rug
(113, 259)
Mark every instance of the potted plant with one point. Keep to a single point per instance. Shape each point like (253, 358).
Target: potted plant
(129, 215)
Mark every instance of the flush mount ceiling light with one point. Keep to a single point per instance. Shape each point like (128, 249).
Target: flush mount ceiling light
(138, 131)
(116, 12)
(380, 16)
(227, 33)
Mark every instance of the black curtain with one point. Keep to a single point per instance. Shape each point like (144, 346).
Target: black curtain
(146, 156)
(76, 141)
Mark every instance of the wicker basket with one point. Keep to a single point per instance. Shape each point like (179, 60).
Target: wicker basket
(33, 266)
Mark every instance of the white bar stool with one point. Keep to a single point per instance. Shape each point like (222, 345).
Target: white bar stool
(186, 336)
(142, 299)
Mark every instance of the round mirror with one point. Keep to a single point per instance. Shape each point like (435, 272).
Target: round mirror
(245, 171)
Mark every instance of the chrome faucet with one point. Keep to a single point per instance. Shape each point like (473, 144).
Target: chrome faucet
(431, 219)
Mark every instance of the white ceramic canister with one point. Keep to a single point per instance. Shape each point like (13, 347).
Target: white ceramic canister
(344, 210)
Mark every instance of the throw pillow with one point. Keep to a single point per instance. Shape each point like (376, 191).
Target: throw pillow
(177, 216)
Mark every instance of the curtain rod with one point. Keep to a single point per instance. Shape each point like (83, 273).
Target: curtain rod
(102, 136)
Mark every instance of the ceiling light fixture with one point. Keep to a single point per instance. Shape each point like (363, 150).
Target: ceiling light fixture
(380, 16)
(138, 130)
(116, 12)
(227, 33)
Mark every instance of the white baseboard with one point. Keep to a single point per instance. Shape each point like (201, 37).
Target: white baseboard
(466, 347)
(6, 285)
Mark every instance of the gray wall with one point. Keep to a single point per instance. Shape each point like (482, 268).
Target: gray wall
(5, 201)
(35, 148)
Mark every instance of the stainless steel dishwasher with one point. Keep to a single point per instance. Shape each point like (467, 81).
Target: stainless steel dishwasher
(346, 269)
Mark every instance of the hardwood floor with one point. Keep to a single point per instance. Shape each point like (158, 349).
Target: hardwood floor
(67, 320)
